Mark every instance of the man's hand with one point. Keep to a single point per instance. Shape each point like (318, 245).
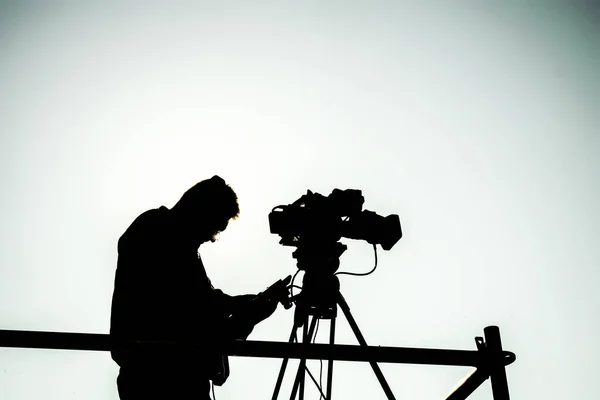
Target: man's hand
(265, 303)
(261, 307)
(241, 324)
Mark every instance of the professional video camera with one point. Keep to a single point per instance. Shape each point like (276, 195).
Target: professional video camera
(315, 223)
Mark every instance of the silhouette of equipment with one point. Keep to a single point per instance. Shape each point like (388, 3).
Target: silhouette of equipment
(314, 224)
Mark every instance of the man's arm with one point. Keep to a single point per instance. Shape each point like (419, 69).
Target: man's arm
(247, 311)
(232, 304)
(230, 308)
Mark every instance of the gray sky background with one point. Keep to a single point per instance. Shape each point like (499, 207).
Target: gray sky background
(477, 124)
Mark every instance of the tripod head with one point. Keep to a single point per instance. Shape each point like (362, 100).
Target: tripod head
(320, 286)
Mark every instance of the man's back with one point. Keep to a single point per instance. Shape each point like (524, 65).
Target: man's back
(161, 293)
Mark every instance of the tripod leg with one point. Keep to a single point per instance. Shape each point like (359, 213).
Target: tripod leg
(384, 385)
(283, 367)
(305, 339)
(330, 362)
(299, 382)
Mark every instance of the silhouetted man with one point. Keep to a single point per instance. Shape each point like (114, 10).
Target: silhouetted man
(162, 293)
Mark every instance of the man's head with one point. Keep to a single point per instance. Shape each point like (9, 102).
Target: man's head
(205, 209)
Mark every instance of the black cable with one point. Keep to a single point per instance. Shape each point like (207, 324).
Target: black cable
(292, 286)
(321, 379)
(212, 386)
(362, 274)
(320, 384)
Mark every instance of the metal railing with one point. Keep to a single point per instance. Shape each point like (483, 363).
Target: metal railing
(489, 359)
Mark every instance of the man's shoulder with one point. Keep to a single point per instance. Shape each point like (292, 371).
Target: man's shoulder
(148, 219)
(154, 214)
(146, 224)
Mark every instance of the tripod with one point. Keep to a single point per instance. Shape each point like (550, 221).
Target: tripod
(301, 318)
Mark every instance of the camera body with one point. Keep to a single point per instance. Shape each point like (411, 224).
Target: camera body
(314, 224)
(317, 221)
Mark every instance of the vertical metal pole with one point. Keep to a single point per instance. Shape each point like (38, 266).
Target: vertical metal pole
(496, 363)
(330, 361)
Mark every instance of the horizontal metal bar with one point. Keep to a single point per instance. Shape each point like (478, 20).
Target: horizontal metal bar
(249, 348)
(339, 352)
(55, 340)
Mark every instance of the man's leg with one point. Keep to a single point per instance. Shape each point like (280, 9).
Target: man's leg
(150, 386)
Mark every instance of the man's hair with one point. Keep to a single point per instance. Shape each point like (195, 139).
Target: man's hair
(213, 194)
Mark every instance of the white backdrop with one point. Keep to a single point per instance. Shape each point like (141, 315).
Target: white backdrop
(478, 125)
